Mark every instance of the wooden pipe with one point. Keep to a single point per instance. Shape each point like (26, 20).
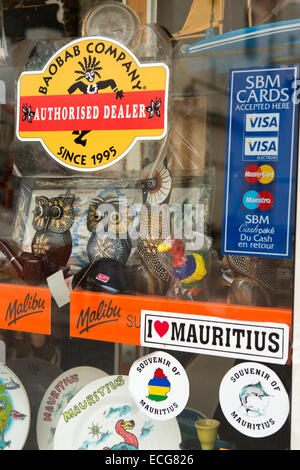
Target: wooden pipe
(32, 268)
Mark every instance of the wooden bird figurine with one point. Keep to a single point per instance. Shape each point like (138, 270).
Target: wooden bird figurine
(112, 241)
(251, 280)
(189, 269)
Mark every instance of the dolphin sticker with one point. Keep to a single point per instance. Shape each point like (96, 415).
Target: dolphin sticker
(252, 391)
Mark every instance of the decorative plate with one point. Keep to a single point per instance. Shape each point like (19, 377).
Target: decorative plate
(104, 416)
(14, 411)
(36, 375)
(58, 395)
(113, 20)
(186, 421)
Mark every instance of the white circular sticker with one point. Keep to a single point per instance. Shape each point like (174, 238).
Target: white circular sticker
(159, 385)
(254, 400)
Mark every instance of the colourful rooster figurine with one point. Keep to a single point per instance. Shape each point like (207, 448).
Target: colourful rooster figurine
(189, 269)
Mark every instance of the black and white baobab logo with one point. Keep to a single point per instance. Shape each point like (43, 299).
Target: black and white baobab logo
(89, 71)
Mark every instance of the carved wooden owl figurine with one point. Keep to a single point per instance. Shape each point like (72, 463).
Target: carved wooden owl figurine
(52, 221)
(108, 221)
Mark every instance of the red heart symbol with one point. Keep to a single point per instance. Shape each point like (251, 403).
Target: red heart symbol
(161, 328)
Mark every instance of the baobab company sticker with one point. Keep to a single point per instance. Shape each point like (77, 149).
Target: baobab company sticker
(159, 385)
(92, 101)
(254, 400)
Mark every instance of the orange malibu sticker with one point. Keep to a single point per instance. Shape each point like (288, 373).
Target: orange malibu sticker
(91, 102)
(24, 308)
(104, 317)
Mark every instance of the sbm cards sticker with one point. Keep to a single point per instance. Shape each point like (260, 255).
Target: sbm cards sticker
(254, 400)
(159, 385)
(262, 128)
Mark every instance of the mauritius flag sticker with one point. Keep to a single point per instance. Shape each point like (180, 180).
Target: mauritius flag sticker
(159, 385)
(92, 101)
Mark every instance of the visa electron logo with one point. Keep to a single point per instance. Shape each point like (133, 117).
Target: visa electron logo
(264, 122)
(258, 200)
(261, 146)
(264, 174)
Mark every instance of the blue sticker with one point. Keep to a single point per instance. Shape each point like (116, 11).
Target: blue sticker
(262, 123)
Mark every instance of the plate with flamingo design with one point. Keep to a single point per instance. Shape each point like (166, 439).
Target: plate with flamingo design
(104, 416)
(14, 411)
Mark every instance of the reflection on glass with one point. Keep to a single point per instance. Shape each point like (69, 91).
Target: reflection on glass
(3, 45)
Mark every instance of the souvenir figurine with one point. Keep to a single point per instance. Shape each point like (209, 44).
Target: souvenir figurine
(189, 269)
(147, 244)
(250, 280)
(154, 226)
(110, 240)
(156, 184)
(27, 266)
(52, 221)
(51, 245)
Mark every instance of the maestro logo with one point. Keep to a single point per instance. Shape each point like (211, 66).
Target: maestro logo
(254, 400)
(262, 200)
(91, 102)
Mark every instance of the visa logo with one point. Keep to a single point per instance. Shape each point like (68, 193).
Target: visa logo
(261, 146)
(264, 122)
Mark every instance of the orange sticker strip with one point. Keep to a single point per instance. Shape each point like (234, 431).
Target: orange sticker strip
(25, 308)
(117, 318)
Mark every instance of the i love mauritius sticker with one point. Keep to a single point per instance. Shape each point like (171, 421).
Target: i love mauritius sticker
(91, 102)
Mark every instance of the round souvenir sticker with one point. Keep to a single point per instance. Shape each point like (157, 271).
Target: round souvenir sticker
(91, 102)
(159, 385)
(254, 400)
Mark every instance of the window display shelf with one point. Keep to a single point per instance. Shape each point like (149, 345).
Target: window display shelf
(118, 318)
(124, 319)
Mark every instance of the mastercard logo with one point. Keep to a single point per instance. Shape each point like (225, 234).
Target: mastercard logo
(264, 174)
